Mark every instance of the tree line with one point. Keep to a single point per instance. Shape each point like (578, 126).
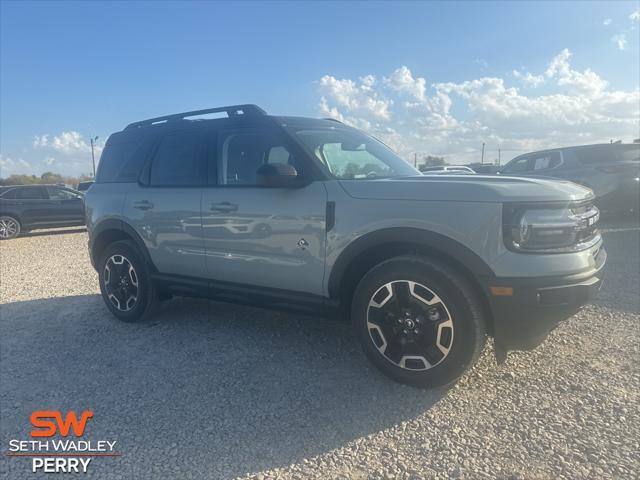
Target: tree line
(47, 178)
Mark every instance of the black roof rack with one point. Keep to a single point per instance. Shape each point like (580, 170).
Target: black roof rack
(333, 119)
(231, 111)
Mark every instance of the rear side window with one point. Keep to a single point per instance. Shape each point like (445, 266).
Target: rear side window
(31, 193)
(8, 193)
(608, 154)
(178, 161)
(122, 161)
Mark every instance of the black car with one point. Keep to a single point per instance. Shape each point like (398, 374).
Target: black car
(612, 171)
(29, 207)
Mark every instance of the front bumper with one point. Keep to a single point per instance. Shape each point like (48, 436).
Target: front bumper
(522, 320)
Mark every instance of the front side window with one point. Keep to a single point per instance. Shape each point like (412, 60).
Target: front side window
(243, 153)
(178, 161)
(352, 155)
(518, 166)
(60, 194)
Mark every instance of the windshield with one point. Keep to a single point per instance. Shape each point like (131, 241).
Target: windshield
(352, 155)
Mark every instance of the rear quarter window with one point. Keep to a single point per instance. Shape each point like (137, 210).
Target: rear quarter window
(122, 161)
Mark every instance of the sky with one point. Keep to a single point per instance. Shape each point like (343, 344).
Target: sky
(428, 78)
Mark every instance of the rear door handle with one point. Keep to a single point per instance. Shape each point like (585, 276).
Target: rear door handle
(224, 207)
(143, 205)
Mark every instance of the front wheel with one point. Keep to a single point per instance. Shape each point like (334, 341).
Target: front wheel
(125, 282)
(418, 320)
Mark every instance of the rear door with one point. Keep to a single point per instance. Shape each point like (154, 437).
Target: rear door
(265, 237)
(31, 204)
(164, 207)
(67, 205)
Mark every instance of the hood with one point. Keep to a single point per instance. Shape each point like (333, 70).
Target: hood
(467, 188)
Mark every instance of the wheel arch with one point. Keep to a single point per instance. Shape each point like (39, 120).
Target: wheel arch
(373, 248)
(5, 213)
(113, 230)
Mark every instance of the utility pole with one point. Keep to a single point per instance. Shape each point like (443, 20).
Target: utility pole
(482, 158)
(499, 159)
(93, 157)
(415, 160)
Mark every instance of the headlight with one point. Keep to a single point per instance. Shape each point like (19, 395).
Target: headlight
(555, 229)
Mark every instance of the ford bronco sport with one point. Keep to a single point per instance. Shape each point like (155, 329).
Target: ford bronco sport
(316, 216)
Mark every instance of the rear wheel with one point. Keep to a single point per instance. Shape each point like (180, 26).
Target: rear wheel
(9, 227)
(418, 320)
(125, 282)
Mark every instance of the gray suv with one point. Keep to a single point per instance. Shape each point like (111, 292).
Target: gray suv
(316, 216)
(612, 171)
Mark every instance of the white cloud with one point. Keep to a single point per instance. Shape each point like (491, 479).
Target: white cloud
(402, 80)
(357, 97)
(529, 79)
(620, 40)
(635, 16)
(67, 142)
(586, 82)
(9, 166)
(68, 153)
(578, 107)
(607, 22)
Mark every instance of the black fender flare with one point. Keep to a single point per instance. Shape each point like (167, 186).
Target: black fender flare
(114, 224)
(411, 236)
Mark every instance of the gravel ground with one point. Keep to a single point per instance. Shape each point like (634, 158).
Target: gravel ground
(210, 390)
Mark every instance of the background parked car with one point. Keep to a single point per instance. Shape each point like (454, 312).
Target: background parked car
(612, 171)
(29, 207)
(447, 170)
(485, 168)
(84, 186)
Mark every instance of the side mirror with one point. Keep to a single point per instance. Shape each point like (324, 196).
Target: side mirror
(276, 175)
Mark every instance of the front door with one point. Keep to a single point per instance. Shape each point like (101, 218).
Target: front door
(67, 206)
(265, 237)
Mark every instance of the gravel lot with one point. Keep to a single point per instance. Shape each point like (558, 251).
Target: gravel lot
(210, 390)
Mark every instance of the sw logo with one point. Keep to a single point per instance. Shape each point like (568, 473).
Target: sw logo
(60, 454)
(42, 419)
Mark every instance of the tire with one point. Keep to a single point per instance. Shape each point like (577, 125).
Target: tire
(130, 296)
(9, 227)
(418, 320)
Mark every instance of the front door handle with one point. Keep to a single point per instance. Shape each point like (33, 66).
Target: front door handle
(143, 205)
(224, 207)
